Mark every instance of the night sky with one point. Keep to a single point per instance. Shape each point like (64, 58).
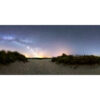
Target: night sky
(49, 41)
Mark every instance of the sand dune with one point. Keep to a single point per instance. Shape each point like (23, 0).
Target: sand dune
(46, 67)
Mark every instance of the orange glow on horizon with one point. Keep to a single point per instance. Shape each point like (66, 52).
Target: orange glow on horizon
(40, 55)
(37, 55)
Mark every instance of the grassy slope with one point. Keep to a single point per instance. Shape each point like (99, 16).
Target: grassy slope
(77, 60)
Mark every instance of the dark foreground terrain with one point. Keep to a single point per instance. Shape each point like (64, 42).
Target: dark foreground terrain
(46, 67)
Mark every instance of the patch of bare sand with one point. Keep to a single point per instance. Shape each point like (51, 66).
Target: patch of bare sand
(46, 67)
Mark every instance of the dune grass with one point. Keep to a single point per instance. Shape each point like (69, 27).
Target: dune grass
(77, 60)
(7, 57)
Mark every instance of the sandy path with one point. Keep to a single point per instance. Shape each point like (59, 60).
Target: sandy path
(36, 67)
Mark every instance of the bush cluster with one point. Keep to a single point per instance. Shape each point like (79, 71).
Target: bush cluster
(79, 59)
(10, 57)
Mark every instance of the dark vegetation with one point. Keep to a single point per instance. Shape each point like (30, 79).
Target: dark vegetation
(77, 60)
(10, 57)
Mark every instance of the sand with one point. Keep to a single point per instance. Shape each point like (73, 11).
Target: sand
(46, 67)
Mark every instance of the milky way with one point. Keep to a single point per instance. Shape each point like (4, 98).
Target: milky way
(48, 41)
(20, 44)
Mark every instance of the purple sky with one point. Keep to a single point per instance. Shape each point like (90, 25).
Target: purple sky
(48, 41)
